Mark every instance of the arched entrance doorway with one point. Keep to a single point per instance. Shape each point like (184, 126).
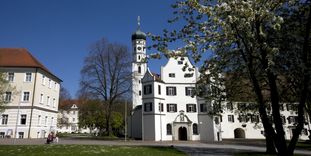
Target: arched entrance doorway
(239, 133)
(182, 133)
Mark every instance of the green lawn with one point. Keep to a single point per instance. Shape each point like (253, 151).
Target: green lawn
(85, 150)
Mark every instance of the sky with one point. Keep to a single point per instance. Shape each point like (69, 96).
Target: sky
(59, 33)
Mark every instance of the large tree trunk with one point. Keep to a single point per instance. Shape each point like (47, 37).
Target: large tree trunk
(304, 86)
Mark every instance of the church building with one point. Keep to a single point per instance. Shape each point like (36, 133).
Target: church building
(165, 107)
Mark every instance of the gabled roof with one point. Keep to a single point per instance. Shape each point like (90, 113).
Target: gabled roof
(153, 76)
(20, 57)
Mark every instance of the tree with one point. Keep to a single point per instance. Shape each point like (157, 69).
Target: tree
(106, 75)
(91, 115)
(247, 38)
(64, 98)
(5, 87)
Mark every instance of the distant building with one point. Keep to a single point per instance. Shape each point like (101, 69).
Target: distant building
(165, 107)
(32, 107)
(68, 120)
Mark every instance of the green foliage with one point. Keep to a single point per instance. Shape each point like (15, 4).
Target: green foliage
(92, 115)
(247, 41)
(4, 87)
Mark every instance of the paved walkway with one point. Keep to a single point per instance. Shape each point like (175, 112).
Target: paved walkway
(192, 148)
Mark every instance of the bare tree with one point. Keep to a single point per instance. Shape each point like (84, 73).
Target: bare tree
(106, 75)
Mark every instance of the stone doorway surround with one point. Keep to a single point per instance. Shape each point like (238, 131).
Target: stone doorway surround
(182, 121)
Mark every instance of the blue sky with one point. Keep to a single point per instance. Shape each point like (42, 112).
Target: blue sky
(60, 32)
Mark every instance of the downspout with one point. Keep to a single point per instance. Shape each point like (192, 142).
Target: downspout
(32, 102)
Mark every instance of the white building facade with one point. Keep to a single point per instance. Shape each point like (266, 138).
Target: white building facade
(164, 107)
(68, 121)
(31, 109)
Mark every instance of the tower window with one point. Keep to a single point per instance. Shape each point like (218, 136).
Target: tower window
(139, 48)
(139, 69)
(138, 57)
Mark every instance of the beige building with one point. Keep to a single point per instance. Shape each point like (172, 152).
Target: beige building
(32, 106)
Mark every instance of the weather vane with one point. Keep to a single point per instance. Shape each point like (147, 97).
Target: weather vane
(138, 22)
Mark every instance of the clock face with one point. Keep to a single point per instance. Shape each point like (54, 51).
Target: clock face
(139, 48)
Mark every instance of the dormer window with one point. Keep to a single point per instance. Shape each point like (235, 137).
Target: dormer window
(180, 62)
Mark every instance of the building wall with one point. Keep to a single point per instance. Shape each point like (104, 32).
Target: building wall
(35, 87)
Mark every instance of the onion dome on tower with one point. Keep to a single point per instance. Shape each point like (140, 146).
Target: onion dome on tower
(138, 34)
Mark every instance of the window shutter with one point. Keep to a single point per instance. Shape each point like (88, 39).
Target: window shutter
(175, 107)
(150, 105)
(195, 108)
(174, 91)
(232, 118)
(187, 107)
(144, 89)
(168, 107)
(166, 90)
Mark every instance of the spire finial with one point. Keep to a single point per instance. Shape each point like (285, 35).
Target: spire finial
(138, 23)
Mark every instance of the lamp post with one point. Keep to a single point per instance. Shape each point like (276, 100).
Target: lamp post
(125, 120)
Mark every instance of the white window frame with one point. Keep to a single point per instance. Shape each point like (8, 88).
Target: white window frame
(41, 98)
(48, 100)
(231, 118)
(23, 96)
(28, 77)
(8, 96)
(5, 119)
(22, 117)
(11, 75)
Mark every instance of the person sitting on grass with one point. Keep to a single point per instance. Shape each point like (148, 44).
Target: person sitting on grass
(50, 138)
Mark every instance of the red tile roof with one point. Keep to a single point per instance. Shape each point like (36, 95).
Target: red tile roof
(20, 57)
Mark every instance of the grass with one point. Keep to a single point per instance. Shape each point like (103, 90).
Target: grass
(86, 150)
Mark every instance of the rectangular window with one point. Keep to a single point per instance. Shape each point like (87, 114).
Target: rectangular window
(7, 97)
(180, 62)
(41, 98)
(229, 106)
(187, 75)
(189, 91)
(160, 107)
(231, 118)
(23, 119)
(48, 101)
(26, 96)
(20, 135)
(254, 118)
(171, 75)
(2, 134)
(147, 89)
(191, 108)
(4, 119)
(10, 77)
(171, 107)
(28, 77)
(283, 120)
(203, 107)
(148, 107)
(171, 91)
(139, 92)
(159, 89)
(242, 118)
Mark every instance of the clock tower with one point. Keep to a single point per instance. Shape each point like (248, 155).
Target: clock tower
(139, 65)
